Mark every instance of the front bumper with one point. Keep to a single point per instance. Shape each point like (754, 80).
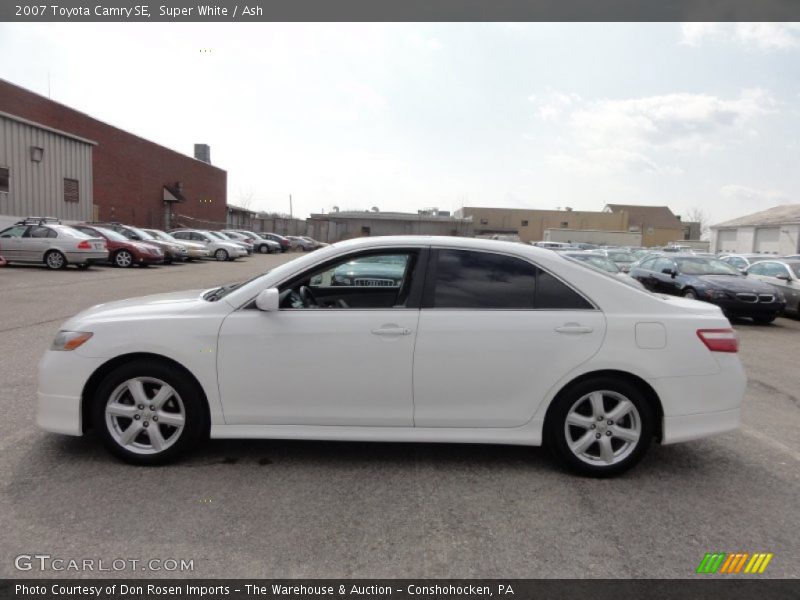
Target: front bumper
(731, 306)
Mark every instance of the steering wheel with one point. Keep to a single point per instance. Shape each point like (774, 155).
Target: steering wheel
(309, 301)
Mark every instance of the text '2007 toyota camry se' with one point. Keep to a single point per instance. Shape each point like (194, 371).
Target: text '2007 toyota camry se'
(419, 339)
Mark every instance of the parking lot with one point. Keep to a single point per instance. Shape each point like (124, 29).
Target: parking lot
(319, 509)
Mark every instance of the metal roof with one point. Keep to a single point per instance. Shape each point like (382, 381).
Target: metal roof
(72, 136)
(777, 215)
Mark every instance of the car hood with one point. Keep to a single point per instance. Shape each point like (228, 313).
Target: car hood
(173, 303)
(733, 283)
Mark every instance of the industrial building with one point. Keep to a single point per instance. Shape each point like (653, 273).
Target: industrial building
(129, 179)
(43, 171)
(336, 226)
(530, 224)
(658, 225)
(772, 231)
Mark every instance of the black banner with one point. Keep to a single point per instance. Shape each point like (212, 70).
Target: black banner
(729, 588)
(398, 10)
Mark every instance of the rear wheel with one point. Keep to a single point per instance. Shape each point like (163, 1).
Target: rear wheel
(264, 249)
(149, 413)
(123, 259)
(690, 294)
(221, 254)
(600, 427)
(55, 260)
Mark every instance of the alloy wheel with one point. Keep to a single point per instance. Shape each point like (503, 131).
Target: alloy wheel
(145, 415)
(221, 254)
(603, 428)
(55, 260)
(123, 259)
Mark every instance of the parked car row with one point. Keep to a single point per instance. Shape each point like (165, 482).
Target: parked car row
(45, 240)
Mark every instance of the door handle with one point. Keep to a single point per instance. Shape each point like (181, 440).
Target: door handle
(391, 330)
(573, 328)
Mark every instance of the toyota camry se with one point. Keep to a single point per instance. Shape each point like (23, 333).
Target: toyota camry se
(417, 339)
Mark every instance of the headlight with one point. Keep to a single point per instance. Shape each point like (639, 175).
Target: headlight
(69, 340)
(715, 294)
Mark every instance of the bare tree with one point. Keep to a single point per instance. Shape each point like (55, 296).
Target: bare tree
(698, 215)
(245, 199)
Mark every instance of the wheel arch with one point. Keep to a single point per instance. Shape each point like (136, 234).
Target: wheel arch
(107, 367)
(642, 385)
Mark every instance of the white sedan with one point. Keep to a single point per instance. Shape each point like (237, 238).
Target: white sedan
(418, 339)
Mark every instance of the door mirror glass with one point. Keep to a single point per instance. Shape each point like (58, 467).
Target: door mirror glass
(668, 271)
(783, 277)
(268, 300)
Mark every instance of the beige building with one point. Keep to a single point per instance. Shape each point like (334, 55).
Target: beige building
(336, 226)
(530, 224)
(657, 224)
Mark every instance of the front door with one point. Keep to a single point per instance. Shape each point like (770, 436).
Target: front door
(338, 352)
(11, 242)
(496, 334)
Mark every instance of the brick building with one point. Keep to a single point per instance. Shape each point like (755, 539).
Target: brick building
(134, 180)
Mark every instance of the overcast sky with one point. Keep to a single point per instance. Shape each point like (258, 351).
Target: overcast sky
(405, 116)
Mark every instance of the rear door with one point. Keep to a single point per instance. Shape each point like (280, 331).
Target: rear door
(496, 333)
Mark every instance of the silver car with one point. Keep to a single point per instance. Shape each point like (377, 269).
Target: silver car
(193, 249)
(46, 241)
(218, 249)
(783, 275)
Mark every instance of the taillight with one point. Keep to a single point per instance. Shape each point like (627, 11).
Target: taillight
(719, 340)
(84, 245)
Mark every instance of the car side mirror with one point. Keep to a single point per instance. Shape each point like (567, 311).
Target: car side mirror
(668, 271)
(783, 277)
(268, 300)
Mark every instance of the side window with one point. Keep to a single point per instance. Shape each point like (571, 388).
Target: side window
(469, 279)
(773, 269)
(737, 262)
(663, 263)
(376, 270)
(648, 264)
(13, 232)
(553, 294)
(40, 232)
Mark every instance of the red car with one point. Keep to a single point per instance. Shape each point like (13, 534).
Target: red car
(123, 252)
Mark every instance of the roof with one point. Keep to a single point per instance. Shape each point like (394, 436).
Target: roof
(652, 216)
(30, 123)
(777, 215)
(388, 216)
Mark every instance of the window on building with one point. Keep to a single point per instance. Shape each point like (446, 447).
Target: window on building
(524, 223)
(484, 221)
(365, 230)
(71, 191)
(3, 180)
(564, 224)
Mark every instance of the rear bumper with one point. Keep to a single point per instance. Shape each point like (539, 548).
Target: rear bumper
(694, 427)
(86, 257)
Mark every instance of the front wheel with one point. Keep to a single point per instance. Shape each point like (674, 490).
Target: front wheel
(690, 294)
(221, 255)
(123, 259)
(148, 413)
(600, 427)
(263, 249)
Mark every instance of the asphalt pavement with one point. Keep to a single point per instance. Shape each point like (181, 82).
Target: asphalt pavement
(321, 509)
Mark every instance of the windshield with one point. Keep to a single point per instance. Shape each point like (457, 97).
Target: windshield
(621, 256)
(111, 234)
(161, 235)
(705, 266)
(217, 235)
(795, 267)
(70, 232)
(598, 261)
(141, 233)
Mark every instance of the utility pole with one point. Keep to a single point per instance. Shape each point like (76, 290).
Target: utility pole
(291, 214)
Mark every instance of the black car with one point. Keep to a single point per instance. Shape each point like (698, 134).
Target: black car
(284, 242)
(711, 280)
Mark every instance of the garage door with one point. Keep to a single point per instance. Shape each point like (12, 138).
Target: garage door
(726, 240)
(767, 240)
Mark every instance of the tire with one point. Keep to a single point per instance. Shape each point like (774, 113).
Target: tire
(115, 409)
(581, 445)
(263, 249)
(764, 319)
(690, 293)
(123, 259)
(221, 255)
(55, 260)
